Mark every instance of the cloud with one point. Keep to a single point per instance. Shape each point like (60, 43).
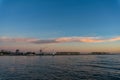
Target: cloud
(44, 41)
(79, 39)
(60, 40)
(114, 39)
(9, 39)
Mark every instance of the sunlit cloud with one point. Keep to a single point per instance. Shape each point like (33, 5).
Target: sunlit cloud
(114, 39)
(79, 39)
(9, 39)
(60, 40)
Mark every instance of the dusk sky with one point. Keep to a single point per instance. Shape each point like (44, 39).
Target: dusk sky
(63, 25)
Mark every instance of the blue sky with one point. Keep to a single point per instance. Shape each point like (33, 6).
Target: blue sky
(46, 19)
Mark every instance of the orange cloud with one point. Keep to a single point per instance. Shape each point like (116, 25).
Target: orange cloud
(114, 39)
(60, 40)
(80, 39)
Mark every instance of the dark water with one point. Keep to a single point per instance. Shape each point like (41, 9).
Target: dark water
(83, 67)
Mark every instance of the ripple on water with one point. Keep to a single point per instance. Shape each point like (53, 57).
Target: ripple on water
(60, 67)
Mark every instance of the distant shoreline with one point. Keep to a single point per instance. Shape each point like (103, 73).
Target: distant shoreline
(60, 55)
(41, 53)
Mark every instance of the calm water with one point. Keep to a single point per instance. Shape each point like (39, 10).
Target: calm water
(83, 67)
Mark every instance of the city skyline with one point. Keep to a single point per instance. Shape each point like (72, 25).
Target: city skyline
(62, 25)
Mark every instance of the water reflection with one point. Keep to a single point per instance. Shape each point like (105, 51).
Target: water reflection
(83, 67)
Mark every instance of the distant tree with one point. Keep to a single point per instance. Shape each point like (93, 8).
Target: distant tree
(2, 50)
(41, 52)
(17, 51)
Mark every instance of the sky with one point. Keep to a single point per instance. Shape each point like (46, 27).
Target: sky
(62, 25)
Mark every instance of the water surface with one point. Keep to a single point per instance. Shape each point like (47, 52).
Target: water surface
(82, 67)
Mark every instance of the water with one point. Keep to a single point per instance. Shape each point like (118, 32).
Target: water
(82, 67)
